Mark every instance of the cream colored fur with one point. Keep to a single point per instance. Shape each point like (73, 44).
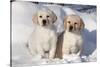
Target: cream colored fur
(72, 40)
(43, 40)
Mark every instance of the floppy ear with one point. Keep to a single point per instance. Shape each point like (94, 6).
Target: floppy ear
(81, 24)
(65, 23)
(35, 18)
(54, 17)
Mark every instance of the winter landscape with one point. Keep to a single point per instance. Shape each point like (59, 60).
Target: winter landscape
(22, 27)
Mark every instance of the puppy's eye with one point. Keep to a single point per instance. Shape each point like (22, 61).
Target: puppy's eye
(40, 16)
(68, 21)
(75, 23)
(47, 16)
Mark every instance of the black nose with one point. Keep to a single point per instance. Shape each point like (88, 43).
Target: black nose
(70, 28)
(44, 22)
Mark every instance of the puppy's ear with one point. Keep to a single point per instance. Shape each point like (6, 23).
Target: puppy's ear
(81, 24)
(54, 17)
(35, 18)
(65, 22)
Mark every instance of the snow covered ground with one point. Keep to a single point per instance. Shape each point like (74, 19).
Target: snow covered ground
(22, 27)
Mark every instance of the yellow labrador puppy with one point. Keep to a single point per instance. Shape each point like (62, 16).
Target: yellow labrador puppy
(43, 40)
(72, 38)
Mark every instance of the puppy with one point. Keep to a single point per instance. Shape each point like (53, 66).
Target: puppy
(43, 40)
(72, 38)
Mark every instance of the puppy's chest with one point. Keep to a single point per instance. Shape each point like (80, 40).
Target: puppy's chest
(71, 38)
(44, 35)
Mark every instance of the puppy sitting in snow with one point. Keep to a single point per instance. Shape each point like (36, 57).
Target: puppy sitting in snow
(72, 38)
(42, 41)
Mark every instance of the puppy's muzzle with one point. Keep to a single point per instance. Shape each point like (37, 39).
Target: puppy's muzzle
(71, 28)
(44, 22)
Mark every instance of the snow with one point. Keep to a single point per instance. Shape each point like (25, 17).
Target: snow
(22, 27)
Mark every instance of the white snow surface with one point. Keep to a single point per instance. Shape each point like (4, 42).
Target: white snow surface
(22, 27)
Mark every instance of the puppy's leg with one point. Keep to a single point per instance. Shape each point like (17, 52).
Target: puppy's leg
(31, 50)
(52, 48)
(66, 52)
(78, 54)
(47, 55)
(80, 51)
(79, 47)
(52, 53)
(40, 52)
(74, 50)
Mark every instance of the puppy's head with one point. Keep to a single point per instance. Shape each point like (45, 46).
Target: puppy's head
(73, 23)
(44, 17)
